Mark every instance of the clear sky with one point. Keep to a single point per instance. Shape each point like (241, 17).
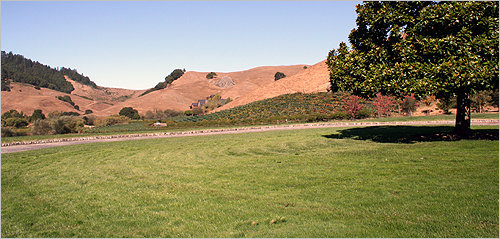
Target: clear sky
(134, 45)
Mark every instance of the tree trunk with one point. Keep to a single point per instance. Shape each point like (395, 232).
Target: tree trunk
(462, 122)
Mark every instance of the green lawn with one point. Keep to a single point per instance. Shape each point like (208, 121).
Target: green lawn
(297, 183)
(138, 127)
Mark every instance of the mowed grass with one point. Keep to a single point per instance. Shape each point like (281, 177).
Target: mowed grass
(138, 127)
(297, 183)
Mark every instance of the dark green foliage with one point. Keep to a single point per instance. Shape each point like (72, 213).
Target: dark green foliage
(279, 75)
(67, 99)
(88, 112)
(305, 67)
(89, 120)
(444, 49)
(19, 69)
(494, 98)
(5, 83)
(10, 132)
(197, 111)
(176, 74)
(15, 122)
(129, 112)
(290, 107)
(480, 100)
(70, 113)
(13, 114)
(37, 115)
(74, 75)
(211, 75)
(446, 104)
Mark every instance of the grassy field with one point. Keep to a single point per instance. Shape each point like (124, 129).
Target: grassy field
(354, 182)
(136, 127)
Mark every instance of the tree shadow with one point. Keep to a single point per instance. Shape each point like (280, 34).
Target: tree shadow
(411, 134)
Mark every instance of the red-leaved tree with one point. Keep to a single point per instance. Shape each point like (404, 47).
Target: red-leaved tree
(352, 105)
(384, 104)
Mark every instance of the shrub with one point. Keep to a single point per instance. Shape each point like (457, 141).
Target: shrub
(211, 75)
(67, 124)
(9, 132)
(89, 120)
(111, 120)
(363, 113)
(447, 103)
(340, 115)
(494, 98)
(352, 104)
(130, 113)
(409, 104)
(88, 112)
(37, 114)
(70, 113)
(15, 122)
(383, 104)
(42, 127)
(12, 114)
(480, 100)
(197, 111)
(279, 75)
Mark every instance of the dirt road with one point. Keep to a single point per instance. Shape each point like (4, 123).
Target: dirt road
(31, 145)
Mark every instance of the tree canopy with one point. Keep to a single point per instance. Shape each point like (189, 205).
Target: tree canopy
(129, 112)
(422, 48)
(174, 75)
(279, 75)
(20, 69)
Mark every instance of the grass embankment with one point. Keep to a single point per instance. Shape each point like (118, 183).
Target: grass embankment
(137, 127)
(300, 183)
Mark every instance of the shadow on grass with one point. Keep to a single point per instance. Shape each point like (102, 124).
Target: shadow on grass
(411, 134)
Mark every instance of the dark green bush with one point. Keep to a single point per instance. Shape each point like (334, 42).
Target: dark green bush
(279, 75)
(363, 114)
(211, 75)
(341, 115)
(130, 113)
(15, 122)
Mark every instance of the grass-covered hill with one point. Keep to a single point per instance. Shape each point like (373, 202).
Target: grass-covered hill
(289, 106)
(20, 69)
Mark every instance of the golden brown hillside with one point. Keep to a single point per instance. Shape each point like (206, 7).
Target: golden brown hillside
(242, 86)
(313, 79)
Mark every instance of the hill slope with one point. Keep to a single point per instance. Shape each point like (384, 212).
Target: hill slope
(242, 86)
(311, 80)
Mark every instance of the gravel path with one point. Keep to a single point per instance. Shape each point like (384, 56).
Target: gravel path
(31, 145)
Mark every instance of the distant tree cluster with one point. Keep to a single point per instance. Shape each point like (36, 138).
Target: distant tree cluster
(20, 69)
(67, 99)
(279, 75)
(5, 83)
(211, 75)
(176, 74)
(129, 112)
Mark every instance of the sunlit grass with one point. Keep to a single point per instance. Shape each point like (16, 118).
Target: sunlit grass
(300, 183)
(138, 127)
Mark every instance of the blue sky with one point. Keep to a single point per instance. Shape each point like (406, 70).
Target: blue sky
(134, 45)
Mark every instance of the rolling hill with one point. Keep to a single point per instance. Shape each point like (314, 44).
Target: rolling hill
(242, 86)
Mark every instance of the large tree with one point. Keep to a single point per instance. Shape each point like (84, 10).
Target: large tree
(444, 49)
